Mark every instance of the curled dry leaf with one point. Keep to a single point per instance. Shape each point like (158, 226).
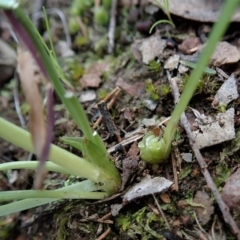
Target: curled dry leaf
(30, 78)
(146, 187)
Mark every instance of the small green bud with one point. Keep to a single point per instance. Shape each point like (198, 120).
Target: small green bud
(101, 16)
(153, 150)
(73, 26)
(107, 4)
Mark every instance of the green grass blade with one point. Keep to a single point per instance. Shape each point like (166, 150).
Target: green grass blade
(72, 163)
(35, 202)
(219, 29)
(68, 98)
(61, 194)
(33, 165)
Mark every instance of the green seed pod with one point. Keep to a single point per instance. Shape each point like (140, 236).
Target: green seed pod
(73, 26)
(101, 16)
(153, 150)
(107, 4)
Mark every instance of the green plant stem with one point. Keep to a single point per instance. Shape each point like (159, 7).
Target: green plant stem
(72, 163)
(31, 165)
(35, 202)
(192, 83)
(71, 102)
(23, 194)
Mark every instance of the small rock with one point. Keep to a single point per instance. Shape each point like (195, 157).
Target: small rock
(203, 213)
(172, 62)
(87, 96)
(189, 45)
(186, 157)
(148, 48)
(226, 93)
(134, 89)
(146, 187)
(150, 104)
(225, 53)
(63, 49)
(211, 130)
(231, 191)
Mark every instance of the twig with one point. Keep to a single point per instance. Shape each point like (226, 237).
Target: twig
(16, 102)
(184, 122)
(161, 212)
(176, 188)
(82, 27)
(113, 94)
(104, 235)
(112, 26)
(112, 129)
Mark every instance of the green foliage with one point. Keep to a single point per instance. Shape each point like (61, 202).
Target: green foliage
(103, 177)
(140, 223)
(164, 147)
(152, 149)
(185, 172)
(101, 16)
(231, 148)
(151, 90)
(165, 89)
(79, 6)
(107, 4)
(154, 67)
(222, 173)
(73, 25)
(207, 70)
(165, 8)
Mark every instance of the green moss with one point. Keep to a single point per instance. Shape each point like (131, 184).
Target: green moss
(62, 231)
(79, 6)
(140, 223)
(154, 67)
(151, 90)
(165, 90)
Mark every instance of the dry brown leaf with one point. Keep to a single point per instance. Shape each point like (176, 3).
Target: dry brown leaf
(148, 49)
(30, 78)
(189, 45)
(92, 77)
(134, 89)
(205, 209)
(231, 190)
(225, 53)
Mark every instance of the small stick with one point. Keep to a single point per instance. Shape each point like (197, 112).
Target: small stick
(104, 235)
(82, 27)
(161, 212)
(184, 122)
(107, 216)
(112, 26)
(112, 129)
(16, 101)
(113, 94)
(174, 165)
(220, 71)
